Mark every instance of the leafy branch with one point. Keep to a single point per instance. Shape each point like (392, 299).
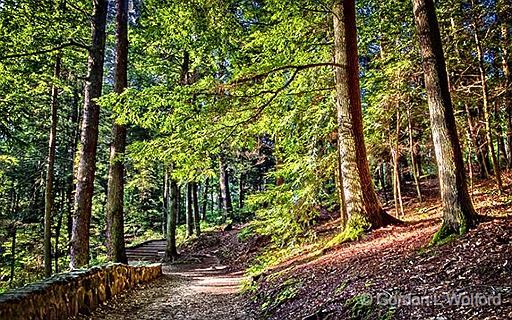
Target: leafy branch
(43, 51)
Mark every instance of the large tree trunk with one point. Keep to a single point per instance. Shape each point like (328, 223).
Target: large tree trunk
(458, 211)
(171, 252)
(363, 206)
(195, 201)
(49, 197)
(225, 195)
(79, 255)
(190, 207)
(115, 193)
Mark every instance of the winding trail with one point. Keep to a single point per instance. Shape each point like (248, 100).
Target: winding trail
(198, 289)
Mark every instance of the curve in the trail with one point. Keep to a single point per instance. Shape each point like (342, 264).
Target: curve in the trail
(200, 290)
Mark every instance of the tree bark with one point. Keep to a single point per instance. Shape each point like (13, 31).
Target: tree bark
(195, 201)
(58, 228)
(458, 211)
(190, 214)
(241, 191)
(49, 197)
(178, 213)
(14, 231)
(395, 155)
(72, 148)
(165, 200)
(79, 255)
(340, 187)
(225, 195)
(363, 206)
(412, 153)
(171, 253)
(205, 199)
(115, 193)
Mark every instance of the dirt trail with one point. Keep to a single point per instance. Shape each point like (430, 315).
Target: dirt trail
(201, 289)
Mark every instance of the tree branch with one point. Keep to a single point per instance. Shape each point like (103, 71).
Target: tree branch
(296, 67)
(262, 107)
(43, 51)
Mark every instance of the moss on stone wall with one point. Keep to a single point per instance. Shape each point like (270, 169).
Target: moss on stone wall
(68, 294)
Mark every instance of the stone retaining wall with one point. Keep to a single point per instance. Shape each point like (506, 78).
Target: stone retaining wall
(68, 294)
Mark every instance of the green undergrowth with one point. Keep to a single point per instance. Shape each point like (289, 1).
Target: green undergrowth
(288, 290)
(355, 230)
(274, 255)
(246, 233)
(309, 246)
(363, 307)
(446, 234)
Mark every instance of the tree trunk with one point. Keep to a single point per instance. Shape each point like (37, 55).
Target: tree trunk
(458, 211)
(363, 207)
(190, 214)
(171, 252)
(179, 218)
(500, 139)
(59, 227)
(195, 201)
(14, 231)
(72, 148)
(225, 195)
(480, 155)
(487, 111)
(395, 155)
(166, 201)
(241, 192)
(340, 189)
(205, 199)
(79, 255)
(115, 193)
(212, 198)
(49, 197)
(470, 165)
(504, 19)
(412, 153)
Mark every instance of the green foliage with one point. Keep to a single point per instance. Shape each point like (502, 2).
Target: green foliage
(360, 306)
(289, 289)
(356, 227)
(446, 234)
(246, 233)
(256, 94)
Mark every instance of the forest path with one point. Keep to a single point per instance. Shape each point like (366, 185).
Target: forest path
(200, 288)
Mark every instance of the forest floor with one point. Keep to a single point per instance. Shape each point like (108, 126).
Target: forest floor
(391, 273)
(198, 287)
